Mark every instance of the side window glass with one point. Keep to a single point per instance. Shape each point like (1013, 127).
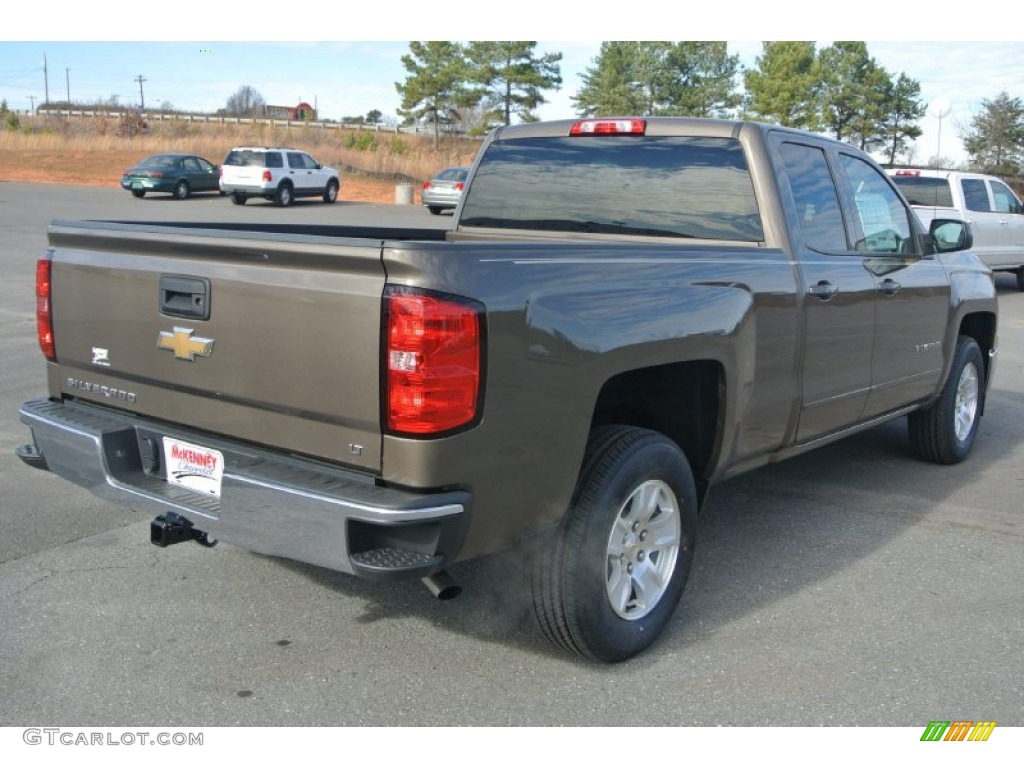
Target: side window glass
(815, 196)
(884, 220)
(310, 162)
(205, 166)
(274, 160)
(1003, 198)
(295, 160)
(191, 165)
(975, 194)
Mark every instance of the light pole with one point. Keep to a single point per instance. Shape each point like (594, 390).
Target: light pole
(939, 108)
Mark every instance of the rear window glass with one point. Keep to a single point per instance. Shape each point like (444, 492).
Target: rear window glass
(453, 174)
(693, 187)
(925, 190)
(158, 161)
(254, 158)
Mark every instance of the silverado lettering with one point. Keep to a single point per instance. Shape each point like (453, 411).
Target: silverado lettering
(99, 389)
(623, 313)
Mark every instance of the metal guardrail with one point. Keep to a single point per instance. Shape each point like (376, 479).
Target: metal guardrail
(229, 120)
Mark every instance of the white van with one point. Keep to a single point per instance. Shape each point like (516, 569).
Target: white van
(988, 204)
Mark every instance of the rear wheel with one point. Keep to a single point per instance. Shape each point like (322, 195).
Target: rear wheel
(434, 209)
(606, 584)
(283, 198)
(331, 191)
(1020, 279)
(945, 432)
(181, 190)
(139, 192)
(238, 198)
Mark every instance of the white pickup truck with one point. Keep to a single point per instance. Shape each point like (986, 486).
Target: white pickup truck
(988, 204)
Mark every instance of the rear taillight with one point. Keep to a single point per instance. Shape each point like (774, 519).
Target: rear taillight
(426, 185)
(433, 359)
(268, 176)
(459, 185)
(44, 308)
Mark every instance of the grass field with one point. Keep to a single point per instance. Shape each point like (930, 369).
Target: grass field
(89, 151)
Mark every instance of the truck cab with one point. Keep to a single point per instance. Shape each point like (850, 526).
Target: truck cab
(993, 210)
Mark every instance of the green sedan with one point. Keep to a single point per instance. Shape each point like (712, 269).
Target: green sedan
(173, 172)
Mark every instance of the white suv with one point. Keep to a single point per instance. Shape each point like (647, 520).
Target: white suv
(988, 204)
(280, 174)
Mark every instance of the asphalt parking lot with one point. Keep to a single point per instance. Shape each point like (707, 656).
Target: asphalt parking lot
(851, 586)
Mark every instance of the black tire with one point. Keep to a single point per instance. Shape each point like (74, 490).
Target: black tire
(588, 579)
(139, 192)
(181, 190)
(283, 196)
(1020, 279)
(434, 209)
(331, 192)
(238, 198)
(945, 432)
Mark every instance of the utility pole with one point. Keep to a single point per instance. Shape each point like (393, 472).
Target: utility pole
(142, 99)
(46, 81)
(33, 102)
(67, 75)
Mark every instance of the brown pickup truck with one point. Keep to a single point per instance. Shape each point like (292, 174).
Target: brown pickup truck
(624, 312)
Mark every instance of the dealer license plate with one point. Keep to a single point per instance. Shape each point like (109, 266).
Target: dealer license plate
(194, 467)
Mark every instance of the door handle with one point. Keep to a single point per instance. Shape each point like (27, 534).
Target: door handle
(889, 287)
(823, 290)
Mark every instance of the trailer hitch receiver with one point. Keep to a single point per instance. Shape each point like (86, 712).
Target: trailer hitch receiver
(171, 528)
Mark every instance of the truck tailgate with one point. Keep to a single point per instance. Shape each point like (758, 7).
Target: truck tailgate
(260, 337)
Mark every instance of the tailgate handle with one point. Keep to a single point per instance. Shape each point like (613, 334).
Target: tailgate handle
(182, 296)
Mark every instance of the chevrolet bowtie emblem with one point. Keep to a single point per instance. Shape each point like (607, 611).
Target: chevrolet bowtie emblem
(183, 345)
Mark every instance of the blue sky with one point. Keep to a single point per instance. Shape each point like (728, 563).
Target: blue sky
(183, 66)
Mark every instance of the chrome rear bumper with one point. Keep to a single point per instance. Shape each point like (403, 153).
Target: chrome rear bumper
(275, 504)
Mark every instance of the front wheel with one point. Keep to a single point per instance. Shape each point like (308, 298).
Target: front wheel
(945, 432)
(1020, 279)
(606, 584)
(331, 191)
(139, 192)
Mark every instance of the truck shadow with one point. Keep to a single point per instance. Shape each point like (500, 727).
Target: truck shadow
(764, 537)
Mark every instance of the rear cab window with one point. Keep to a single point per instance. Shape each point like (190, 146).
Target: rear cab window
(925, 191)
(656, 186)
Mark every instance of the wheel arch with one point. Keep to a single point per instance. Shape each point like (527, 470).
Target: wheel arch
(683, 401)
(981, 326)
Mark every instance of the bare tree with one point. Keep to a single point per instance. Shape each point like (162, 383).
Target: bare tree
(245, 102)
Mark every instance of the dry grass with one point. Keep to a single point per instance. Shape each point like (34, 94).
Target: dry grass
(90, 151)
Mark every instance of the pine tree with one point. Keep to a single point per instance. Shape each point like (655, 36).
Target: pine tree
(510, 78)
(436, 88)
(782, 87)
